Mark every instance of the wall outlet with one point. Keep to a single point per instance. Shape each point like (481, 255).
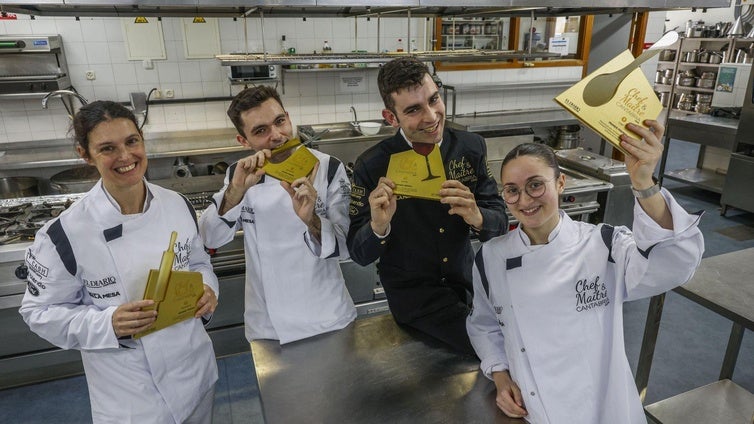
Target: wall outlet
(90, 75)
(169, 93)
(157, 94)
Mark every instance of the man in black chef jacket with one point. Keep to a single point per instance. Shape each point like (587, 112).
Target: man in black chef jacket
(423, 246)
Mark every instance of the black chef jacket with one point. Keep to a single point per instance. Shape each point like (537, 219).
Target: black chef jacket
(425, 262)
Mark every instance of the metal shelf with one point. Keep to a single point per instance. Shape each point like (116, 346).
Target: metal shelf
(470, 55)
(698, 177)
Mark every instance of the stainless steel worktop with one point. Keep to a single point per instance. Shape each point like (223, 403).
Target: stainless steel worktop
(704, 129)
(39, 154)
(372, 371)
(515, 119)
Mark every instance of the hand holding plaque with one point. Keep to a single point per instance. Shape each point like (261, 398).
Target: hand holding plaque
(297, 165)
(175, 293)
(418, 172)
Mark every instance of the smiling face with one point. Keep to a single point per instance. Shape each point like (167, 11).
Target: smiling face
(538, 215)
(266, 126)
(116, 149)
(418, 111)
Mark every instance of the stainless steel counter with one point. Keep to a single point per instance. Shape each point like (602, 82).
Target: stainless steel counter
(51, 153)
(704, 129)
(371, 372)
(515, 119)
(721, 284)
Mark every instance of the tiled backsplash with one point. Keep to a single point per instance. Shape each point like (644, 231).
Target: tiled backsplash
(97, 44)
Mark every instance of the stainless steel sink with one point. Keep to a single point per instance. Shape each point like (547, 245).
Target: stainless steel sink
(341, 131)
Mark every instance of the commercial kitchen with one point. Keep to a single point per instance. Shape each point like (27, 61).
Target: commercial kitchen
(177, 64)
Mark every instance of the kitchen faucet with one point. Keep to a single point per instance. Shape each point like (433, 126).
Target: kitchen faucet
(68, 94)
(355, 121)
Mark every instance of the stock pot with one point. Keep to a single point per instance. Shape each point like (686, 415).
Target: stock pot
(12, 187)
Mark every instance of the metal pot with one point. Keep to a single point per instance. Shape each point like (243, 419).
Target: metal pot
(568, 137)
(667, 55)
(704, 98)
(12, 187)
(75, 180)
(664, 97)
(691, 56)
(703, 56)
(684, 81)
(715, 57)
(705, 82)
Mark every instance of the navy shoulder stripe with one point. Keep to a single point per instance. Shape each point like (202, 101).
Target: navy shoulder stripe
(113, 233)
(332, 168)
(63, 246)
(607, 237)
(231, 171)
(479, 261)
(645, 253)
(512, 263)
(192, 212)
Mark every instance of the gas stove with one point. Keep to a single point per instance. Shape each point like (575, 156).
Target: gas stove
(21, 218)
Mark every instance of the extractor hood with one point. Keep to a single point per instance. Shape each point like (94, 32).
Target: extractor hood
(347, 8)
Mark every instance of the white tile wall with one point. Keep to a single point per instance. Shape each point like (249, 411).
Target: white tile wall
(97, 44)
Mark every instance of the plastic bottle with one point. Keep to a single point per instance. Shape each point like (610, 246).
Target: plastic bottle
(399, 45)
(283, 46)
(326, 48)
(413, 46)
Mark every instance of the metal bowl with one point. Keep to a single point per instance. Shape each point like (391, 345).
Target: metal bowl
(75, 180)
(12, 187)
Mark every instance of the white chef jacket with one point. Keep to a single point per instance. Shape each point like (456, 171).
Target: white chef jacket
(294, 285)
(553, 314)
(84, 264)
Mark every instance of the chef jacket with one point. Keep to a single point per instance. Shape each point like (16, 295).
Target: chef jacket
(553, 314)
(294, 285)
(91, 259)
(425, 261)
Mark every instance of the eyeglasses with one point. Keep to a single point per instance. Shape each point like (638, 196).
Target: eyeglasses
(534, 188)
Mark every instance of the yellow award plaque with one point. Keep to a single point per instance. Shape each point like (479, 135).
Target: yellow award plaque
(297, 165)
(633, 102)
(417, 175)
(175, 293)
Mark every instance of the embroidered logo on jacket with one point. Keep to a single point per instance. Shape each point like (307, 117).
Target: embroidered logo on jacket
(590, 294)
(182, 251)
(461, 170)
(247, 214)
(35, 266)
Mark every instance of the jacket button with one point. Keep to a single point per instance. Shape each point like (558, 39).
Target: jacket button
(531, 393)
(382, 242)
(443, 279)
(523, 350)
(442, 230)
(445, 259)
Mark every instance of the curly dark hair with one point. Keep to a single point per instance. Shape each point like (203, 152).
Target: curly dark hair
(249, 99)
(400, 73)
(94, 113)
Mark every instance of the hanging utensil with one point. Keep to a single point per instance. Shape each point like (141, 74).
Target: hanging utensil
(602, 87)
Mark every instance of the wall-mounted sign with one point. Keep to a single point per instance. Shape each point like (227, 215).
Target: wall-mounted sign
(352, 82)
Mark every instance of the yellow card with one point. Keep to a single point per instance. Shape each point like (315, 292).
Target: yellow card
(298, 165)
(634, 101)
(415, 175)
(175, 293)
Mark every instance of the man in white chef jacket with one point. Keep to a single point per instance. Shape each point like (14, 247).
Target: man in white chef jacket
(294, 234)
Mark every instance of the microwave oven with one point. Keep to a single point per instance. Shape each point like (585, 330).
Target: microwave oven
(253, 72)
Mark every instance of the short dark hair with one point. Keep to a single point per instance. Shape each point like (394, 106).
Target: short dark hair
(400, 73)
(92, 114)
(538, 150)
(247, 99)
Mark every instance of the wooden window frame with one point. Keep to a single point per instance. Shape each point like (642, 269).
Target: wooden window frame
(581, 59)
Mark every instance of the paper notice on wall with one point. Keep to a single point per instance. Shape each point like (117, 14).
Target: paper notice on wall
(352, 83)
(558, 45)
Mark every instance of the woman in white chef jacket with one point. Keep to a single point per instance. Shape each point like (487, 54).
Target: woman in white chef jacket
(547, 320)
(87, 273)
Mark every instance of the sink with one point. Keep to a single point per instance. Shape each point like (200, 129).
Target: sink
(342, 131)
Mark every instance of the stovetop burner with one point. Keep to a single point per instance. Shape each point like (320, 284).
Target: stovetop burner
(20, 222)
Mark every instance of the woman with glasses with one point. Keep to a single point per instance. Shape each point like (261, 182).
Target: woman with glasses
(547, 320)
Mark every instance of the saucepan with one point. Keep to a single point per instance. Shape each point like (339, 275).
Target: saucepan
(12, 187)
